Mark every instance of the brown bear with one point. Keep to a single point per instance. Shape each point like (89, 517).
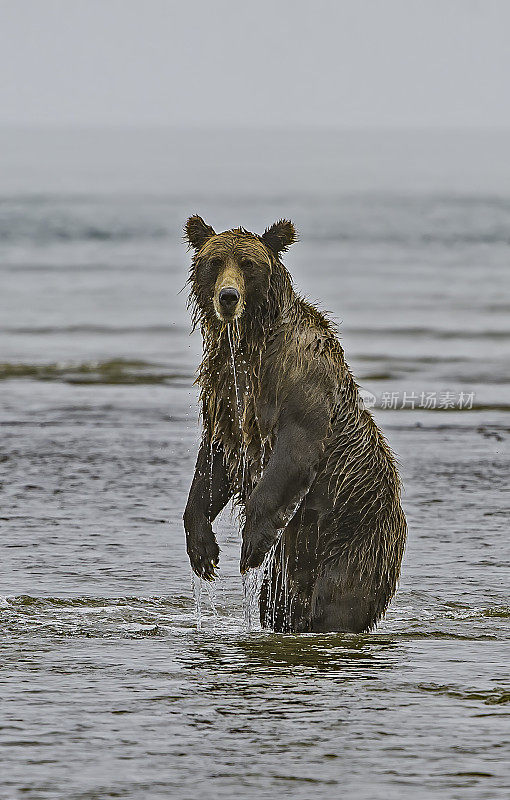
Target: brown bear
(286, 437)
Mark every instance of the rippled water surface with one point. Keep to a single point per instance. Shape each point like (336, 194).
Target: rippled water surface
(108, 688)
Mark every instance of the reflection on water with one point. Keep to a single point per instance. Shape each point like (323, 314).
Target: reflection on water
(320, 653)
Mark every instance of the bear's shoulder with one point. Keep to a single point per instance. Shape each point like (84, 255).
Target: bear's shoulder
(304, 348)
(306, 328)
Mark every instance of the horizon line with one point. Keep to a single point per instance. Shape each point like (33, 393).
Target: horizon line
(287, 128)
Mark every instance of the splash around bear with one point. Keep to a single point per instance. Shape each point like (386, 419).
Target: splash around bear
(286, 437)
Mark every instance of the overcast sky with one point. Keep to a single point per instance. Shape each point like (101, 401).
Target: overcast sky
(338, 63)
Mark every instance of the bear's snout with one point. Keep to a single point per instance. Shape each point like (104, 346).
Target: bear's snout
(229, 298)
(229, 292)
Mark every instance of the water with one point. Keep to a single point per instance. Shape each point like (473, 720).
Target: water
(108, 688)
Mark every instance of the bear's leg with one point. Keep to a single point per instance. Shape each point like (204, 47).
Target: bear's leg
(341, 605)
(289, 580)
(276, 598)
(210, 491)
(272, 606)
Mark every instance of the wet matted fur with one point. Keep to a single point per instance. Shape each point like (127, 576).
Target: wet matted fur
(286, 436)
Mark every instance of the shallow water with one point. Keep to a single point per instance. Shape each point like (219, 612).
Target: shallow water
(108, 688)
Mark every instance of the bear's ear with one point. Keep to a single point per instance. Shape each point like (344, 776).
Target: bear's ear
(197, 232)
(280, 236)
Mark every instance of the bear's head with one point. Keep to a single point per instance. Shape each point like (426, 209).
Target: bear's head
(233, 272)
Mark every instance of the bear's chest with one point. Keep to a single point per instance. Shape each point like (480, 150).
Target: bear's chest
(241, 417)
(239, 411)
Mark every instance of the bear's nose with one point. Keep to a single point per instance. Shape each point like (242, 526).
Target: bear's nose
(229, 298)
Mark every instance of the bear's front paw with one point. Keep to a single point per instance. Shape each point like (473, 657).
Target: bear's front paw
(204, 554)
(257, 540)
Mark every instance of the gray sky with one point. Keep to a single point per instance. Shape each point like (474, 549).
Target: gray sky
(339, 63)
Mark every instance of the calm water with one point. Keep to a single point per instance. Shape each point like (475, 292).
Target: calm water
(108, 688)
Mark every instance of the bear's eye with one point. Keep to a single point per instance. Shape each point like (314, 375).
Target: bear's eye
(215, 262)
(246, 263)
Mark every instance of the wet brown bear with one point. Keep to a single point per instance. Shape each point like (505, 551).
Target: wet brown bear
(285, 436)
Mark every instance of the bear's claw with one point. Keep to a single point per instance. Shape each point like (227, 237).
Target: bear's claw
(255, 546)
(205, 569)
(204, 557)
